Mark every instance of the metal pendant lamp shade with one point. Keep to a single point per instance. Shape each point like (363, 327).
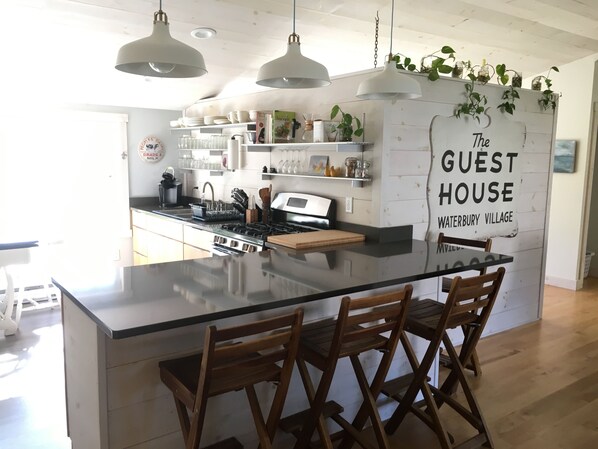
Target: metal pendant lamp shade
(391, 84)
(293, 70)
(160, 55)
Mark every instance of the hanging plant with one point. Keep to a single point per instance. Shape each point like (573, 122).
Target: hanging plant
(405, 64)
(548, 96)
(509, 95)
(475, 103)
(438, 65)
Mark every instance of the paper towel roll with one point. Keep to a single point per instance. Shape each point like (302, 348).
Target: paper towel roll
(234, 148)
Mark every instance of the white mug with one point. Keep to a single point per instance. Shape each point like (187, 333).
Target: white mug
(232, 117)
(253, 115)
(242, 116)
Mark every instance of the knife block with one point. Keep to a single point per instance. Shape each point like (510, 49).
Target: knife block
(251, 216)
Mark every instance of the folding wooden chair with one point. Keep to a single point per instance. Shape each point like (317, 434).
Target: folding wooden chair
(360, 327)
(236, 365)
(474, 363)
(469, 303)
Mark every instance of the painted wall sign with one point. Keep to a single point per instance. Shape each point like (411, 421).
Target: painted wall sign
(151, 149)
(475, 177)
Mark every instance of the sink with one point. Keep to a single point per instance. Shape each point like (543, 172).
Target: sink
(180, 214)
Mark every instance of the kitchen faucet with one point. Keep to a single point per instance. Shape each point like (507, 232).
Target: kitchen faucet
(212, 189)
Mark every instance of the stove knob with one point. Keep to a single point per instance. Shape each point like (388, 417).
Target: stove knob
(216, 239)
(223, 240)
(234, 243)
(251, 249)
(245, 247)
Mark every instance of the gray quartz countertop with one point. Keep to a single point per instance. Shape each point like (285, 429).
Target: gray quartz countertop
(130, 301)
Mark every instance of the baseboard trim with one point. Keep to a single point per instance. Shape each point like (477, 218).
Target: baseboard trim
(569, 284)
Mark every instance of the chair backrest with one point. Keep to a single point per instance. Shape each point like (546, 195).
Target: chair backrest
(259, 345)
(470, 300)
(486, 245)
(361, 322)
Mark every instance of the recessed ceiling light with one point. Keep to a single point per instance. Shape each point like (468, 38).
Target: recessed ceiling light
(203, 33)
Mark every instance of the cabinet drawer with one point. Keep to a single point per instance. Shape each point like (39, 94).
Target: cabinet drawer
(139, 240)
(191, 252)
(162, 249)
(198, 238)
(138, 218)
(164, 226)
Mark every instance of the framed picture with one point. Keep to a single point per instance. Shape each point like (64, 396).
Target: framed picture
(317, 164)
(564, 156)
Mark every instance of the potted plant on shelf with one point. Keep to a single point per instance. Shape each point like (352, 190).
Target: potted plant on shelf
(345, 127)
(475, 103)
(547, 98)
(509, 95)
(437, 65)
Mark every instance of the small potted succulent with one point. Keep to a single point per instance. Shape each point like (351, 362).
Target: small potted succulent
(345, 127)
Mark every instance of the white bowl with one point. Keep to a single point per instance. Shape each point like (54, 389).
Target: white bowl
(221, 121)
(174, 124)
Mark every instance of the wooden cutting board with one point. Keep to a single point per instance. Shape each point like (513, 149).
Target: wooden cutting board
(316, 239)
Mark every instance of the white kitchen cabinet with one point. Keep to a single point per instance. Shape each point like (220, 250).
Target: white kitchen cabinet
(159, 239)
(163, 249)
(191, 252)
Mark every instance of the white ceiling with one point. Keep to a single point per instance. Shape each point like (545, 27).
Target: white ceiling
(64, 50)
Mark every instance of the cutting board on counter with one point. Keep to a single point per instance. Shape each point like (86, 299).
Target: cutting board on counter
(315, 239)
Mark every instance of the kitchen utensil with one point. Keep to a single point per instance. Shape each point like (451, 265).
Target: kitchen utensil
(265, 193)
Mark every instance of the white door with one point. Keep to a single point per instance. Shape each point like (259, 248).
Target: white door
(64, 178)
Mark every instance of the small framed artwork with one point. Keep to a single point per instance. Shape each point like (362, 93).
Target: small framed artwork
(317, 164)
(564, 156)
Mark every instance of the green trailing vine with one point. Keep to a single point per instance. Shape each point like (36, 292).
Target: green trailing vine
(510, 94)
(475, 103)
(436, 67)
(548, 96)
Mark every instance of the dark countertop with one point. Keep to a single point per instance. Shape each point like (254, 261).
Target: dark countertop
(130, 301)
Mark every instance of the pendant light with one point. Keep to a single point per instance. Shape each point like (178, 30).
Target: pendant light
(390, 84)
(293, 70)
(160, 55)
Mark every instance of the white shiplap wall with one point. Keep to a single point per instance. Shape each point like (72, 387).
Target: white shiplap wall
(400, 165)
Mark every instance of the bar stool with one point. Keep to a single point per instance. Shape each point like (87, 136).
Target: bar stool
(474, 363)
(469, 303)
(359, 328)
(231, 366)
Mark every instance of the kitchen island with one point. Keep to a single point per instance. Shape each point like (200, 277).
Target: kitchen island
(120, 322)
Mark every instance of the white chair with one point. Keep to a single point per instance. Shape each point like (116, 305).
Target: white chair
(9, 258)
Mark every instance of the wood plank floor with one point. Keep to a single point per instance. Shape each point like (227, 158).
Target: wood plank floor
(539, 388)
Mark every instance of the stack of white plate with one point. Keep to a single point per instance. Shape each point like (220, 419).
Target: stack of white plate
(193, 121)
(211, 119)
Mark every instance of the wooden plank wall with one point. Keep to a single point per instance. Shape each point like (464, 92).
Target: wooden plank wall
(406, 164)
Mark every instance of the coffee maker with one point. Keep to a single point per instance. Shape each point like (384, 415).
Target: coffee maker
(169, 190)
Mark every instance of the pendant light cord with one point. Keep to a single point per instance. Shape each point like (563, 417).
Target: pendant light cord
(294, 7)
(392, 25)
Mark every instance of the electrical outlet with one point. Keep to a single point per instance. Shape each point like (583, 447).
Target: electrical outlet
(349, 204)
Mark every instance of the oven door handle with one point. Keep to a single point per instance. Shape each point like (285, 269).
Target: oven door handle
(218, 250)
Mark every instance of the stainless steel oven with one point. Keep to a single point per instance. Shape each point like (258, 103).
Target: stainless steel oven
(291, 213)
